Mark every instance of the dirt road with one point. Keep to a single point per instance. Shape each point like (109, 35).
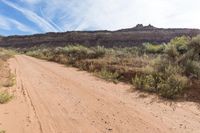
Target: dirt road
(52, 98)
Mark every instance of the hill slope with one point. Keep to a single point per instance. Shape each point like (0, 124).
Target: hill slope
(124, 37)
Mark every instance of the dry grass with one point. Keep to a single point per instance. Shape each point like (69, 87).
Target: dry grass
(5, 97)
(2, 131)
(10, 81)
(7, 79)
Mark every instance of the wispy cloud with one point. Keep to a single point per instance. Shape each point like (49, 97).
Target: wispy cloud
(4, 24)
(8, 23)
(116, 14)
(39, 21)
(21, 26)
(31, 1)
(65, 15)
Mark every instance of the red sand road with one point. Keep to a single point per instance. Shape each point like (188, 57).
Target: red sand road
(52, 98)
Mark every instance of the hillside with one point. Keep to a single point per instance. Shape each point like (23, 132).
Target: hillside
(124, 37)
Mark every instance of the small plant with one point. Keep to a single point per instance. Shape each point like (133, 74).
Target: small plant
(144, 82)
(108, 75)
(154, 49)
(10, 81)
(5, 97)
(99, 52)
(173, 86)
(170, 87)
(192, 69)
(172, 51)
(180, 43)
(6, 54)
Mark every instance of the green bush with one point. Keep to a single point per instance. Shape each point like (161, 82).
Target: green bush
(67, 55)
(168, 87)
(146, 82)
(190, 61)
(172, 86)
(78, 52)
(99, 52)
(195, 44)
(155, 49)
(165, 79)
(192, 69)
(108, 75)
(180, 43)
(171, 51)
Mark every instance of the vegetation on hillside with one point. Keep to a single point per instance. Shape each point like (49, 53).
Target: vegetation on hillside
(166, 69)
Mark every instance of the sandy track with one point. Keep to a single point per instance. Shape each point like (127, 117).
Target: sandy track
(52, 98)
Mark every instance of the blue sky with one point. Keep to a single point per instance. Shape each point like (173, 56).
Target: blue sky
(19, 17)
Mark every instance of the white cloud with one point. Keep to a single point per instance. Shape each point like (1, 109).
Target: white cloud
(59, 15)
(21, 26)
(42, 23)
(4, 24)
(116, 14)
(31, 1)
(8, 24)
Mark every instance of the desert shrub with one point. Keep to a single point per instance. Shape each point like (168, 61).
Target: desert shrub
(125, 52)
(177, 47)
(194, 46)
(134, 51)
(78, 52)
(99, 51)
(190, 61)
(6, 54)
(10, 81)
(180, 43)
(192, 69)
(108, 75)
(165, 78)
(171, 51)
(172, 86)
(5, 97)
(146, 82)
(167, 86)
(37, 53)
(67, 55)
(153, 48)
